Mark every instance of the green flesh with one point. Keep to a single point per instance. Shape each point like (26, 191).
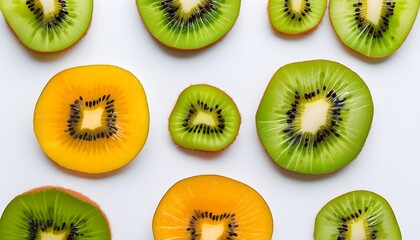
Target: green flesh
(204, 118)
(345, 217)
(45, 32)
(194, 28)
(359, 32)
(293, 20)
(39, 213)
(337, 141)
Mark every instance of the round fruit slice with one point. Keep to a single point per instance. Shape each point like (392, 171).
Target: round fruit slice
(374, 28)
(92, 119)
(188, 24)
(296, 16)
(204, 118)
(212, 207)
(53, 213)
(357, 215)
(314, 116)
(48, 25)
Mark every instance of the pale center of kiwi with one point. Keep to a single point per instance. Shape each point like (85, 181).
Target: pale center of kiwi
(211, 231)
(48, 6)
(297, 5)
(92, 119)
(374, 9)
(357, 231)
(205, 118)
(314, 115)
(188, 5)
(53, 236)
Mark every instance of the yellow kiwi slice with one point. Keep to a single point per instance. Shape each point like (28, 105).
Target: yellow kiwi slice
(92, 119)
(210, 207)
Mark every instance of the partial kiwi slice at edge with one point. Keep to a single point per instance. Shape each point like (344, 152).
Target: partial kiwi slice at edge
(204, 118)
(92, 119)
(212, 207)
(188, 25)
(314, 116)
(52, 212)
(295, 17)
(374, 28)
(358, 214)
(48, 26)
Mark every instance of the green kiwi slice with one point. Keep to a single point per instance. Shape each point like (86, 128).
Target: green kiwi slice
(357, 215)
(188, 24)
(296, 16)
(204, 118)
(374, 28)
(53, 213)
(48, 25)
(314, 116)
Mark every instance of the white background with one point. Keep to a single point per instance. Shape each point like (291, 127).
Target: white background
(241, 64)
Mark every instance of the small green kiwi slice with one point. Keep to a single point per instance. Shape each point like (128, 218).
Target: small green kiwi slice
(374, 28)
(53, 213)
(188, 24)
(204, 118)
(314, 116)
(357, 215)
(296, 16)
(48, 25)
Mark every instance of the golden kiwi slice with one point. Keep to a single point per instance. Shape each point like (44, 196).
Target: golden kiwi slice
(212, 207)
(92, 119)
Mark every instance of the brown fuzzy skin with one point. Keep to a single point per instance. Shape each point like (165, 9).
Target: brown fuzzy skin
(71, 193)
(47, 52)
(294, 34)
(186, 49)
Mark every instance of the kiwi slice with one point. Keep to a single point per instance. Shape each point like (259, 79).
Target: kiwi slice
(296, 16)
(188, 24)
(212, 207)
(92, 119)
(204, 118)
(53, 213)
(357, 215)
(48, 25)
(374, 28)
(314, 116)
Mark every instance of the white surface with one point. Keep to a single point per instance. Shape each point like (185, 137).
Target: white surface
(241, 64)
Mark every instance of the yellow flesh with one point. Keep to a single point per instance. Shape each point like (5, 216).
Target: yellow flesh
(53, 236)
(211, 231)
(91, 82)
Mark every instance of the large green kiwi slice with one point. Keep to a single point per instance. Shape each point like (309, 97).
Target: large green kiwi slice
(53, 213)
(48, 25)
(204, 118)
(375, 28)
(357, 215)
(296, 16)
(314, 116)
(188, 24)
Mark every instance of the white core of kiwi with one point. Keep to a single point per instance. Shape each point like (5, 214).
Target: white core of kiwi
(314, 115)
(188, 5)
(297, 5)
(204, 118)
(210, 231)
(374, 9)
(53, 236)
(358, 230)
(92, 119)
(48, 6)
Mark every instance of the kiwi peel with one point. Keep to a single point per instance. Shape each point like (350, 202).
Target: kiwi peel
(357, 215)
(293, 17)
(314, 116)
(373, 28)
(204, 118)
(52, 212)
(48, 26)
(212, 207)
(92, 119)
(188, 25)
